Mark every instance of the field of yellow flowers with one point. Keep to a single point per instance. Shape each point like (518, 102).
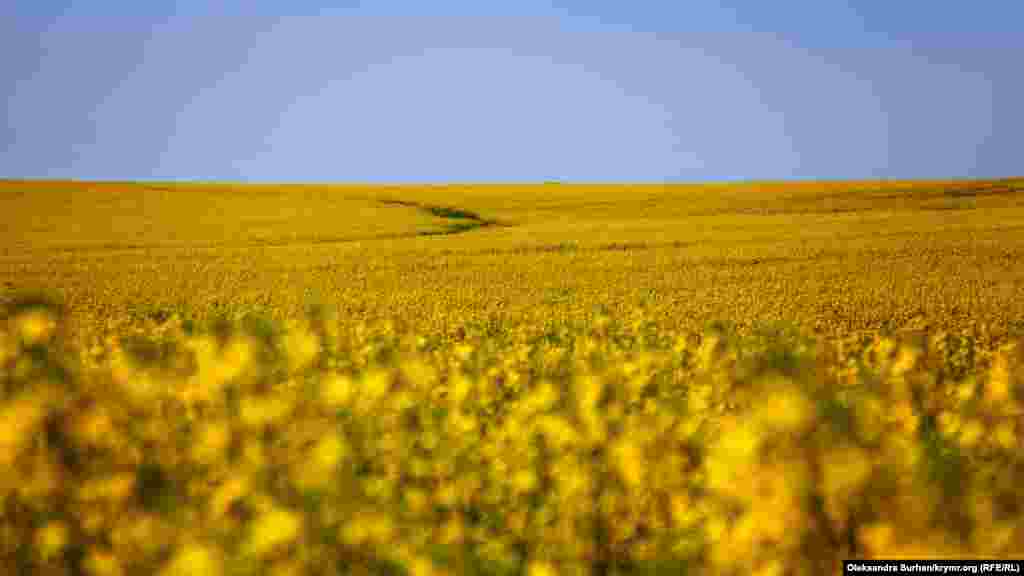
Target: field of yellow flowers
(728, 379)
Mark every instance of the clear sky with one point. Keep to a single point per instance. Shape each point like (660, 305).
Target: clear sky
(442, 91)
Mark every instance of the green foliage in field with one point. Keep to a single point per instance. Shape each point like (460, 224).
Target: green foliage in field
(610, 446)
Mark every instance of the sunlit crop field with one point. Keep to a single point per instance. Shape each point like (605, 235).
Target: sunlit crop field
(715, 379)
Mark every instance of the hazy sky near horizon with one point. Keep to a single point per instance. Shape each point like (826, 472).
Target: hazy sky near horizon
(443, 91)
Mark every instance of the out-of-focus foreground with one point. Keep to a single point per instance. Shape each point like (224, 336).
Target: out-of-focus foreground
(494, 387)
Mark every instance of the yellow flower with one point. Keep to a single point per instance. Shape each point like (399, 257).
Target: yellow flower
(452, 532)
(302, 348)
(558, 432)
(256, 412)
(204, 350)
(844, 470)
(709, 351)
(253, 454)
(524, 480)
(329, 451)
(336, 391)
(543, 397)
(999, 383)
(102, 563)
(236, 358)
(36, 326)
(971, 433)
(51, 539)
(421, 375)
(459, 388)
(318, 471)
(771, 568)
(420, 566)
(274, 529)
(1005, 435)
(965, 390)
(211, 442)
(903, 414)
(118, 488)
(8, 348)
(373, 386)
(877, 538)
(589, 389)
(417, 500)
(949, 422)
(459, 423)
(787, 409)
(684, 514)
(235, 488)
(288, 568)
(195, 559)
(905, 361)
(17, 422)
(541, 569)
(629, 462)
(366, 528)
(463, 351)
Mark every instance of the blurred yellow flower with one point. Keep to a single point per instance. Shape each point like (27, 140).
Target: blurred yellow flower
(367, 527)
(253, 454)
(588, 390)
(629, 462)
(459, 387)
(904, 415)
(876, 538)
(51, 539)
(318, 471)
(843, 471)
(302, 348)
(274, 529)
(684, 513)
(373, 387)
(786, 409)
(256, 412)
(420, 566)
(329, 452)
(965, 390)
(287, 568)
(36, 326)
(18, 420)
(421, 375)
(463, 351)
(336, 390)
(771, 568)
(709, 351)
(233, 489)
(998, 390)
(948, 422)
(971, 433)
(524, 480)
(8, 347)
(102, 563)
(195, 559)
(237, 356)
(541, 569)
(211, 442)
(1005, 435)
(543, 397)
(905, 361)
(558, 432)
(417, 501)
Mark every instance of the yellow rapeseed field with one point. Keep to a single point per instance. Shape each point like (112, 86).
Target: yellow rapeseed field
(756, 378)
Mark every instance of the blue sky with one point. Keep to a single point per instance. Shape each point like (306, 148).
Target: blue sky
(521, 91)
